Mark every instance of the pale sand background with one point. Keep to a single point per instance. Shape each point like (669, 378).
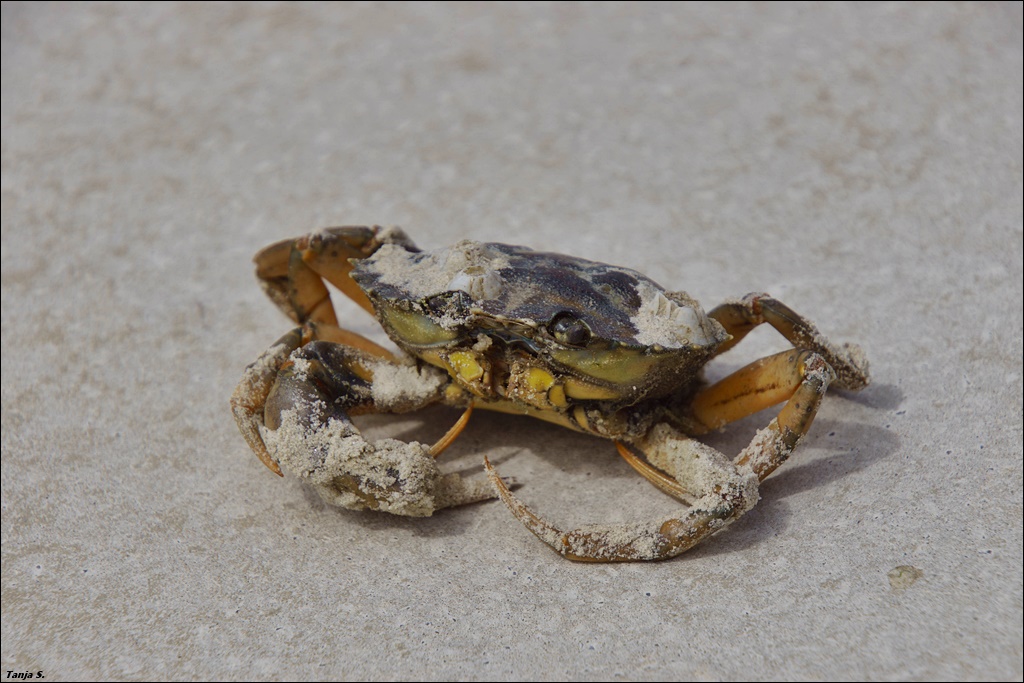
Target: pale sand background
(861, 163)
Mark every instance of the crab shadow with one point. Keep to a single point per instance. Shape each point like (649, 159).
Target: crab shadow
(771, 516)
(833, 449)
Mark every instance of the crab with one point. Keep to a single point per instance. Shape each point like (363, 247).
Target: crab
(595, 348)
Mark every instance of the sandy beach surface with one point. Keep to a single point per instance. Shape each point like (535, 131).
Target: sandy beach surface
(862, 163)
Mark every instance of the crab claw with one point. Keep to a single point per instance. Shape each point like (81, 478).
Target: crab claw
(251, 394)
(306, 429)
(389, 475)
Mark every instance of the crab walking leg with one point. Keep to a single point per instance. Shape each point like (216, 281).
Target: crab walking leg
(721, 491)
(722, 494)
(292, 285)
(799, 375)
(762, 384)
(740, 317)
(308, 430)
(328, 252)
(802, 376)
(661, 481)
(292, 271)
(453, 433)
(773, 445)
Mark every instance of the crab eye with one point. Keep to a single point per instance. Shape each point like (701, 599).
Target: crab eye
(567, 329)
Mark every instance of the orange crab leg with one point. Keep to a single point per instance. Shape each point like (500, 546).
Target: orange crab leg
(328, 253)
(661, 481)
(800, 376)
(772, 446)
(761, 384)
(292, 285)
(453, 433)
(651, 540)
(740, 317)
(720, 491)
(292, 272)
(340, 335)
